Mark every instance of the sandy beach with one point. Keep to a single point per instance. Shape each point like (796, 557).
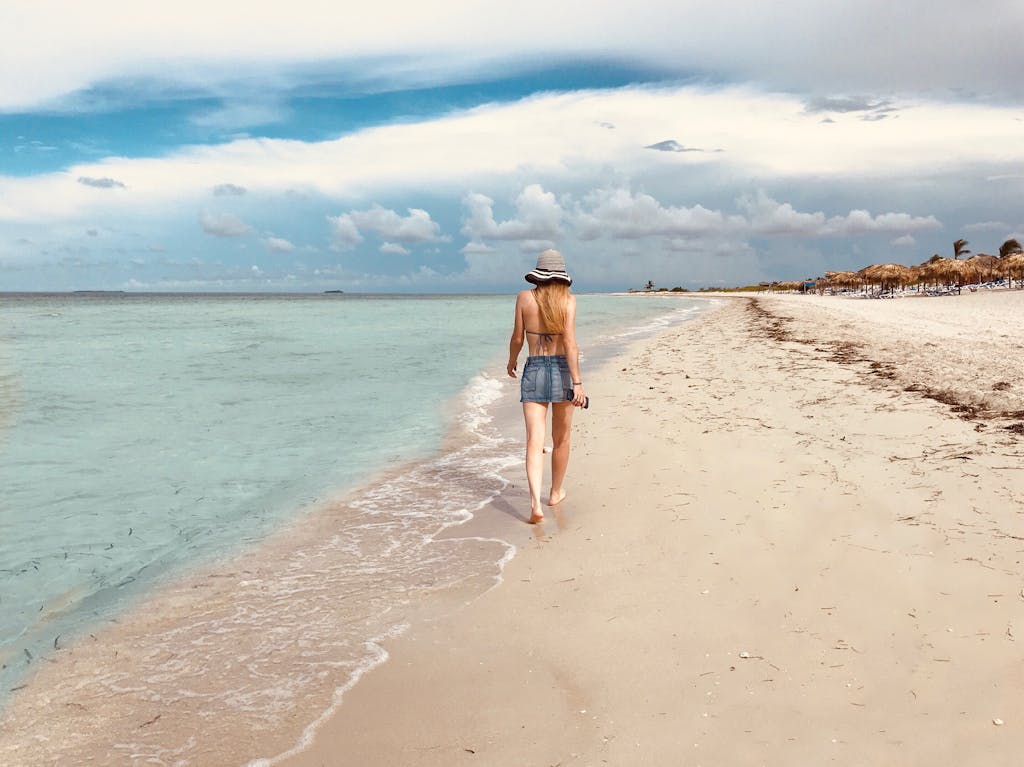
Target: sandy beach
(794, 535)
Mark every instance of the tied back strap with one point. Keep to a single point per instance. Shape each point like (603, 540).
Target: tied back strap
(545, 338)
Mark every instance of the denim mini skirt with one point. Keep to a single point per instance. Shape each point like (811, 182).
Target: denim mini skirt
(545, 379)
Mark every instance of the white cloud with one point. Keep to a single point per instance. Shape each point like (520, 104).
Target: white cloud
(344, 233)
(476, 248)
(538, 216)
(767, 216)
(535, 246)
(223, 224)
(279, 245)
(987, 226)
(905, 240)
(393, 248)
(621, 214)
(862, 222)
(415, 227)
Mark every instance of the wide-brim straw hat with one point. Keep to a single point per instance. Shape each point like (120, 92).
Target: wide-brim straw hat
(550, 268)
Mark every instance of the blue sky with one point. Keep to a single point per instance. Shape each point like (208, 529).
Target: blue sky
(143, 119)
(404, 148)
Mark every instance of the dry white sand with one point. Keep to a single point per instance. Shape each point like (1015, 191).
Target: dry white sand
(770, 555)
(968, 348)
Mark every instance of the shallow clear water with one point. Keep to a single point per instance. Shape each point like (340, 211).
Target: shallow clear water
(141, 435)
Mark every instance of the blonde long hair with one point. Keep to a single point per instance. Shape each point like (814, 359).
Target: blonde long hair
(552, 300)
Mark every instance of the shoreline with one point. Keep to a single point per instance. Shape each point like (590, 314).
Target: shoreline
(768, 555)
(132, 647)
(139, 646)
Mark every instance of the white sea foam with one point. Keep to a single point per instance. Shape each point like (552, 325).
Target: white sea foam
(661, 321)
(378, 656)
(482, 392)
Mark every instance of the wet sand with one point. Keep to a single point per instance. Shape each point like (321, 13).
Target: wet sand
(794, 535)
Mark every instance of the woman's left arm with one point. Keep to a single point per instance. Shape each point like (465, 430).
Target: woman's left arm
(572, 352)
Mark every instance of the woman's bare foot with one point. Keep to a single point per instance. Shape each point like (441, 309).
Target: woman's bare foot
(556, 498)
(536, 516)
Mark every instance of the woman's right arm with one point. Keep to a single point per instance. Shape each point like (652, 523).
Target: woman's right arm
(572, 353)
(515, 344)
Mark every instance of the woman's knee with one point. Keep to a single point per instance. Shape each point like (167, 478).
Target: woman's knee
(535, 438)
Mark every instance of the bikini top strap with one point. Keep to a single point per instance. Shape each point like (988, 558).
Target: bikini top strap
(545, 338)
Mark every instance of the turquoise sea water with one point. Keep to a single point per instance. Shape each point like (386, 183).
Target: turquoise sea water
(141, 435)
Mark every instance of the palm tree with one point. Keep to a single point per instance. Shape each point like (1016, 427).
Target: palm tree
(649, 285)
(960, 248)
(1010, 247)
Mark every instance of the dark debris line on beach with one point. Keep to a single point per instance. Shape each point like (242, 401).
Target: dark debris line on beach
(767, 324)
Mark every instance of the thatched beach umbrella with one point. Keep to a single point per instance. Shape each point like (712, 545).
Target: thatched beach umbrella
(984, 268)
(954, 271)
(960, 271)
(842, 279)
(932, 272)
(894, 274)
(927, 273)
(887, 275)
(871, 274)
(1014, 266)
(948, 271)
(863, 277)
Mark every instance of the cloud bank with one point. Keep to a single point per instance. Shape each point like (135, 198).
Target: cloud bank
(753, 141)
(548, 135)
(818, 48)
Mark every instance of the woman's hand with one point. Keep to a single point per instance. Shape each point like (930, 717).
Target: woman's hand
(511, 368)
(578, 396)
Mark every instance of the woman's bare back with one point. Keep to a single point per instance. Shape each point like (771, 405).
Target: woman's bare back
(538, 342)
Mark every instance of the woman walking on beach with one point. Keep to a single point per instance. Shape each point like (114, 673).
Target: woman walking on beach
(546, 320)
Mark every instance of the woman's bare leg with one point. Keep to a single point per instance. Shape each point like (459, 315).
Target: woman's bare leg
(561, 431)
(536, 415)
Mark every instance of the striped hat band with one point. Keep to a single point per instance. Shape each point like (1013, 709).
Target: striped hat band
(550, 266)
(540, 276)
